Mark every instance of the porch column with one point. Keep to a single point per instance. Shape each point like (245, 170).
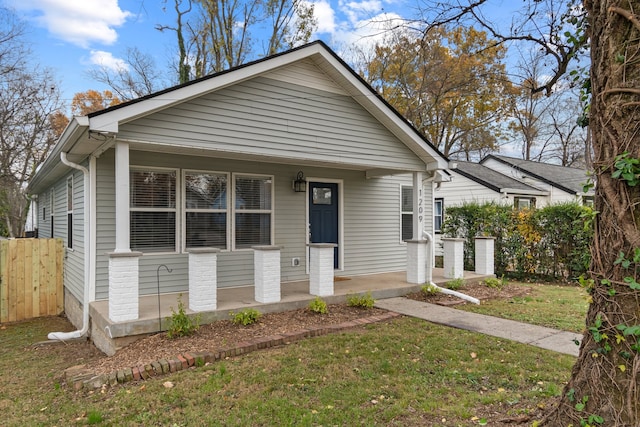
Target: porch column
(453, 257)
(123, 286)
(484, 255)
(417, 261)
(321, 269)
(203, 279)
(122, 197)
(266, 264)
(418, 206)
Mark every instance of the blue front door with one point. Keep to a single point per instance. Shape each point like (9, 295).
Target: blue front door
(323, 215)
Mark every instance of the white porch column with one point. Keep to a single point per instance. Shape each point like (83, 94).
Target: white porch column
(122, 197)
(418, 206)
(417, 261)
(266, 264)
(321, 269)
(123, 286)
(453, 257)
(484, 255)
(203, 279)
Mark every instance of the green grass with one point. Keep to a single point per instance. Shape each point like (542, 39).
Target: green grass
(406, 372)
(556, 306)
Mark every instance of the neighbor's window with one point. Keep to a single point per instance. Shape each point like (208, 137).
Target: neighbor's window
(406, 210)
(524, 202)
(205, 209)
(252, 202)
(70, 212)
(588, 201)
(438, 215)
(153, 210)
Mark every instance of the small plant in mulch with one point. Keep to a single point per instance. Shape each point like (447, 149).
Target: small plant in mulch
(361, 301)
(180, 324)
(246, 317)
(317, 305)
(429, 289)
(495, 283)
(455, 284)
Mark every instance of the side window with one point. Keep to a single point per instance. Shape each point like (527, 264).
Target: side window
(438, 215)
(153, 210)
(406, 211)
(70, 212)
(52, 201)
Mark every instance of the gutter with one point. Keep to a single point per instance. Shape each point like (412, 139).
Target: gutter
(88, 251)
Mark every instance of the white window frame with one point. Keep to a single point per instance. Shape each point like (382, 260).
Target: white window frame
(228, 210)
(70, 190)
(403, 212)
(518, 199)
(232, 204)
(176, 209)
(435, 201)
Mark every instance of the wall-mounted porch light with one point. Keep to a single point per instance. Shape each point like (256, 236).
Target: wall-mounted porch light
(300, 184)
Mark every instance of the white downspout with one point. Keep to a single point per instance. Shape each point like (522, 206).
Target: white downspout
(63, 336)
(429, 280)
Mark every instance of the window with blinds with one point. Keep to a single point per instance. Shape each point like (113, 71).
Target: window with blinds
(153, 210)
(406, 210)
(438, 214)
(253, 210)
(205, 209)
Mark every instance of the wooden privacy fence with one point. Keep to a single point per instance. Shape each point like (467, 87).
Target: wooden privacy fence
(31, 273)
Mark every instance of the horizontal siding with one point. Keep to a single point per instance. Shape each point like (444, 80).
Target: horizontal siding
(371, 224)
(305, 73)
(274, 118)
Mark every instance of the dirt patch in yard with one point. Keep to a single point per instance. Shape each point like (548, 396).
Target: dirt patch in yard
(477, 290)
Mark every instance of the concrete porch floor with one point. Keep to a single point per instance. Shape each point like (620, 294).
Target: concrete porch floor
(154, 310)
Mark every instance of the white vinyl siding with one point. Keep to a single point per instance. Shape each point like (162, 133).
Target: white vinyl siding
(276, 119)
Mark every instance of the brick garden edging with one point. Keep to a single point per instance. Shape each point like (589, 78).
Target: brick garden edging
(80, 378)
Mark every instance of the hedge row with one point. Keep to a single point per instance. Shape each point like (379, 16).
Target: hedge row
(551, 242)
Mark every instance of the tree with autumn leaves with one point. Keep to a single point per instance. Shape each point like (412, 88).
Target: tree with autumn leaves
(450, 84)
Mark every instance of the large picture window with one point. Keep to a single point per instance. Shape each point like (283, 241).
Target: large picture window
(205, 209)
(407, 213)
(252, 202)
(153, 210)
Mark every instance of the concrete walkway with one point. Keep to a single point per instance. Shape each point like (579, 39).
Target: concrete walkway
(539, 336)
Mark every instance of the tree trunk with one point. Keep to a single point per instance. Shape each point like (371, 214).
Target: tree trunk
(603, 389)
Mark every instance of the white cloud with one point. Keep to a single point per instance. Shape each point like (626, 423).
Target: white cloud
(326, 17)
(106, 59)
(81, 22)
(357, 11)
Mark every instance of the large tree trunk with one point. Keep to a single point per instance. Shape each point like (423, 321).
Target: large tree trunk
(603, 389)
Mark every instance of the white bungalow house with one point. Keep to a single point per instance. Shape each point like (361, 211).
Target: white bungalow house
(507, 180)
(285, 169)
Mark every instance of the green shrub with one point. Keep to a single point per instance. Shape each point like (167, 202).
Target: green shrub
(361, 301)
(317, 305)
(429, 289)
(495, 283)
(455, 284)
(180, 324)
(246, 317)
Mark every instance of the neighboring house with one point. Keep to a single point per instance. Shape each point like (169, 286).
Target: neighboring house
(214, 163)
(564, 184)
(511, 181)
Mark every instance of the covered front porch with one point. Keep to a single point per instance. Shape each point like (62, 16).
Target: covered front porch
(154, 310)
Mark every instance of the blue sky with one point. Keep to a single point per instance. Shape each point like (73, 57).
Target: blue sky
(71, 36)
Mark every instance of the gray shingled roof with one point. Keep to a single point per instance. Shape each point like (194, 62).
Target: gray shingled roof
(490, 178)
(568, 179)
